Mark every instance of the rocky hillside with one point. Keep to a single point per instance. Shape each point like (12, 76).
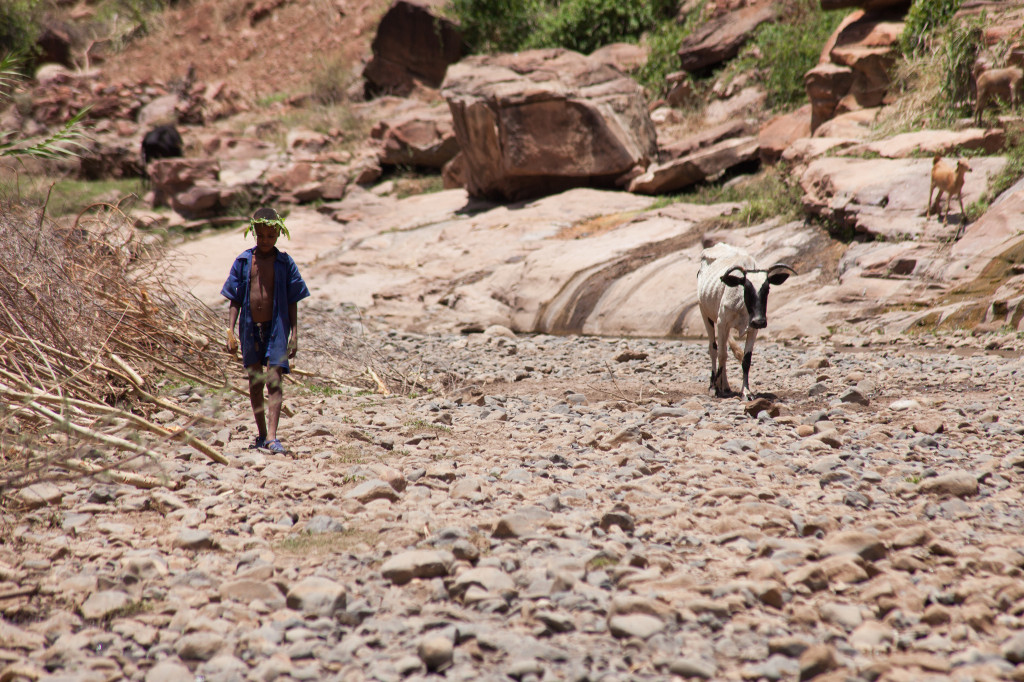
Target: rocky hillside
(371, 105)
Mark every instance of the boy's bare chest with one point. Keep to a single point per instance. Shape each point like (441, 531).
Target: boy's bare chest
(261, 288)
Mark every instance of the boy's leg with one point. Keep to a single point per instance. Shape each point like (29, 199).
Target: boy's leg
(275, 397)
(257, 379)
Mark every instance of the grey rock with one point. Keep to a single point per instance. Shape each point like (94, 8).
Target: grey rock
(317, 596)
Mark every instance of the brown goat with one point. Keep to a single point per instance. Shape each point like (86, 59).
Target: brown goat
(950, 180)
(1002, 83)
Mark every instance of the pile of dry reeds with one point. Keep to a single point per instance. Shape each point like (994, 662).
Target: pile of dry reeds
(88, 314)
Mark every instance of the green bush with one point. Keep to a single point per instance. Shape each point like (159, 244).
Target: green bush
(923, 18)
(581, 25)
(958, 50)
(585, 25)
(496, 25)
(19, 26)
(786, 51)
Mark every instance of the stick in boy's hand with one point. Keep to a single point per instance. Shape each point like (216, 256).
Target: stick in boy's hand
(232, 342)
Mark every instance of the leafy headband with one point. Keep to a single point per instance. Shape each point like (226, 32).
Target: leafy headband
(277, 223)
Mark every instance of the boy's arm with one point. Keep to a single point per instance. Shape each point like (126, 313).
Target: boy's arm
(293, 334)
(232, 340)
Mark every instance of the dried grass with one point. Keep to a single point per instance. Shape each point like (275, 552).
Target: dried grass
(88, 313)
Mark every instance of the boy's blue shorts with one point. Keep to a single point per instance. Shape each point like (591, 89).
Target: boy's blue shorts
(261, 332)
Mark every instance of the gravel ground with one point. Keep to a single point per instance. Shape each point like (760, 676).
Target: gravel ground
(555, 508)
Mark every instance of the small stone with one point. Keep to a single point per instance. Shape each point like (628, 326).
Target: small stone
(417, 563)
(199, 646)
(956, 484)
(375, 489)
(39, 495)
(855, 396)
(168, 671)
(789, 645)
(317, 596)
(1013, 648)
(104, 604)
(436, 651)
(195, 540)
(637, 625)
(619, 516)
(929, 426)
(817, 659)
(693, 667)
(323, 524)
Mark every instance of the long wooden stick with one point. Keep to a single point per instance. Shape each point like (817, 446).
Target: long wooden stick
(88, 434)
(181, 435)
(137, 480)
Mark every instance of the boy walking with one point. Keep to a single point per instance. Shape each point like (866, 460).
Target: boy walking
(264, 288)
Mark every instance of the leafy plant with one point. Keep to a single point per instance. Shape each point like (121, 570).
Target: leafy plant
(1004, 179)
(924, 18)
(789, 50)
(783, 51)
(581, 25)
(663, 43)
(933, 85)
(765, 195)
(496, 25)
(959, 50)
(19, 26)
(585, 25)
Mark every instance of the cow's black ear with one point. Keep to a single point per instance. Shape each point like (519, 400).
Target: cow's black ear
(778, 277)
(732, 280)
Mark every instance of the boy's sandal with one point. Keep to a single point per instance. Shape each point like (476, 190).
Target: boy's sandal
(259, 442)
(274, 446)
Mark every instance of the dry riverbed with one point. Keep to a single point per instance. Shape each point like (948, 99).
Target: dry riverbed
(557, 508)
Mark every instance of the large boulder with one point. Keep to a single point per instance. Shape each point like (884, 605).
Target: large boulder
(855, 66)
(721, 39)
(413, 45)
(543, 121)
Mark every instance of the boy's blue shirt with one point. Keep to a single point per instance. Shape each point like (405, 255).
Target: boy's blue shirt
(288, 288)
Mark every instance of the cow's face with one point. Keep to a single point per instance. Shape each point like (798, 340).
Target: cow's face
(756, 285)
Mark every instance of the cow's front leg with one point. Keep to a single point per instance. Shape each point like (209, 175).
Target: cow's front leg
(748, 352)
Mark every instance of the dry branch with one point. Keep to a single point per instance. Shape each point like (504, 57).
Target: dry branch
(87, 313)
